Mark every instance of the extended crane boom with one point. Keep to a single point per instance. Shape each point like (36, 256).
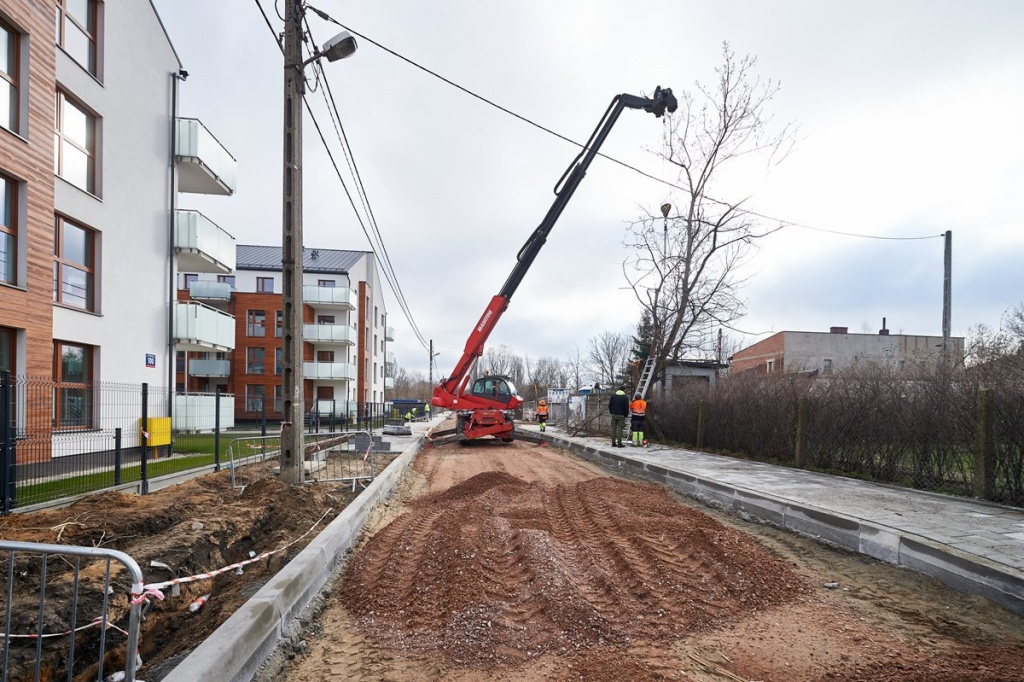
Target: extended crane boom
(485, 410)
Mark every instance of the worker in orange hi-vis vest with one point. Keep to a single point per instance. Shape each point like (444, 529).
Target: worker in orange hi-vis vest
(638, 415)
(542, 413)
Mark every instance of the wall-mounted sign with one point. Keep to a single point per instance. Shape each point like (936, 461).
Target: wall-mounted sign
(150, 360)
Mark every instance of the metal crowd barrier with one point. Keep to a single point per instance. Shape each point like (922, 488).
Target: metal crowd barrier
(330, 457)
(24, 654)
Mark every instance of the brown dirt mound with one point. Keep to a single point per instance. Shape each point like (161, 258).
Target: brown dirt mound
(506, 571)
(473, 487)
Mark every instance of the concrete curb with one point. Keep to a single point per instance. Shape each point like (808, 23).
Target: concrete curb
(959, 570)
(236, 650)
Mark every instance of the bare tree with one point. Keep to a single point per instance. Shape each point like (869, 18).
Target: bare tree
(575, 367)
(607, 357)
(683, 269)
(411, 385)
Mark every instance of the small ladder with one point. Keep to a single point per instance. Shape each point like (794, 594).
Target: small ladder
(645, 376)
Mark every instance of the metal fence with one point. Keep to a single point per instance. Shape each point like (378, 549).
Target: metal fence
(63, 620)
(329, 457)
(64, 439)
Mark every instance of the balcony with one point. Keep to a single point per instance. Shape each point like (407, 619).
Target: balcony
(389, 333)
(389, 357)
(204, 166)
(328, 297)
(389, 382)
(209, 368)
(329, 333)
(201, 245)
(198, 411)
(219, 292)
(330, 371)
(198, 327)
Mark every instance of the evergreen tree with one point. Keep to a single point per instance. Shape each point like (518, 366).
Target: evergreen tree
(644, 337)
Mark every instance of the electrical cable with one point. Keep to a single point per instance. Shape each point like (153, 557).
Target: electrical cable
(783, 223)
(394, 285)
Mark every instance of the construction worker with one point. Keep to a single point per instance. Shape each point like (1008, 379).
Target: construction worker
(618, 408)
(638, 410)
(542, 413)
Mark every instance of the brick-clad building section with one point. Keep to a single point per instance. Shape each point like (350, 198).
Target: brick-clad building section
(757, 356)
(26, 163)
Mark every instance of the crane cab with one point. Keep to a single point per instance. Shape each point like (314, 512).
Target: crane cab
(495, 389)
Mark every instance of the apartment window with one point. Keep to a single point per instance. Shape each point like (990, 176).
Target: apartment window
(827, 365)
(771, 366)
(77, 31)
(179, 362)
(265, 285)
(376, 318)
(189, 278)
(227, 279)
(74, 156)
(375, 374)
(329, 283)
(278, 360)
(254, 397)
(325, 319)
(72, 370)
(325, 356)
(256, 323)
(74, 255)
(254, 360)
(375, 346)
(8, 232)
(279, 398)
(279, 324)
(9, 102)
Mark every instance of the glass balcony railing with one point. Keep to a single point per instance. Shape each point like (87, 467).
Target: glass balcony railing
(201, 245)
(202, 328)
(208, 368)
(202, 290)
(389, 333)
(339, 297)
(204, 165)
(329, 333)
(335, 371)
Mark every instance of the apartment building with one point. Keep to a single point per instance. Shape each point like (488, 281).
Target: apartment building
(345, 332)
(793, 351)
(92, 158)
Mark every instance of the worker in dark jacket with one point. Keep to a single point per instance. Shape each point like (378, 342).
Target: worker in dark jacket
(618, 407)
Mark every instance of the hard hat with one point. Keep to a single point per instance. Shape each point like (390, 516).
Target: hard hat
(542, 402)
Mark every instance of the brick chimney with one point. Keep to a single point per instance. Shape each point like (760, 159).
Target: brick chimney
(837, 330)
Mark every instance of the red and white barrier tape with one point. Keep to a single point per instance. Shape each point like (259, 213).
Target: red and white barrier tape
(153, 589)
(96, 621)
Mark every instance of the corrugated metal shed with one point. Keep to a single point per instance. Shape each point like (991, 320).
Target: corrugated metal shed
(333, 261)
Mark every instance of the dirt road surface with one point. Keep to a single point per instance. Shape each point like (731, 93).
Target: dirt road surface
(525, 563)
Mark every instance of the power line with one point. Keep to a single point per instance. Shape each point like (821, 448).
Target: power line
(388, 271)
(784, 223)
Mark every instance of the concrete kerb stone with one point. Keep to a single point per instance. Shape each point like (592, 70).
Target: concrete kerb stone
(959, 570)
(235, 650)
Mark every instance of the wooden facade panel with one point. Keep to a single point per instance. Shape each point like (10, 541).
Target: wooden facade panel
(29, 160)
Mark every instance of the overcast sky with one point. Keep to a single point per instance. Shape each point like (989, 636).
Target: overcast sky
(910, 115)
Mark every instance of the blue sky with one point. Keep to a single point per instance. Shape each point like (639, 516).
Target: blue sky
(909, 120)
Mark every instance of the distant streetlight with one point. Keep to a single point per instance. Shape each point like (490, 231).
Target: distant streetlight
(293, 419)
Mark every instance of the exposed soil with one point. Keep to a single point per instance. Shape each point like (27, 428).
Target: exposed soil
(524, 563)
(195, 527)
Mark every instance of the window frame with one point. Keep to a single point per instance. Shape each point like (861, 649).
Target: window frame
(91, 33)
(261, 283)
(253, 392)
(255, 360)
(60, 262)
(279, 361)
(61, 139)
(13, 190)
(251, 326)
(226, 279)
(59, 421)
(13, 79)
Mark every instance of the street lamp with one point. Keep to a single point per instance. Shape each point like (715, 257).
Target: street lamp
(293, 419)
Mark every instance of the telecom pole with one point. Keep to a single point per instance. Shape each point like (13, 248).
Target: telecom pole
(947, 295)
(430, 369)
(293, 424)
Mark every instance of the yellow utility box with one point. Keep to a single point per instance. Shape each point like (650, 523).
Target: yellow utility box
(159, 430)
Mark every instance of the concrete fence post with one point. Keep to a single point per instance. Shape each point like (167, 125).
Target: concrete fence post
(700, 423)
(984, 453)
(801, 432)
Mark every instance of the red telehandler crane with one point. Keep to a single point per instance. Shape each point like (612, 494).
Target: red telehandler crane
(486, 409)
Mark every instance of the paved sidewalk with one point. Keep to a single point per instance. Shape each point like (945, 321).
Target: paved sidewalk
(972, 546)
